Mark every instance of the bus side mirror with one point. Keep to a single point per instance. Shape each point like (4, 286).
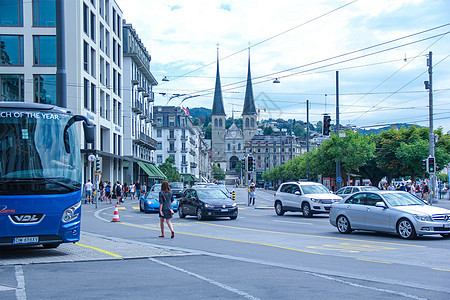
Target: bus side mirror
(89, 131)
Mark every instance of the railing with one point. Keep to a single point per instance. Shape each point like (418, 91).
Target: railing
(137, 107)
(193, 165)
(146, 141)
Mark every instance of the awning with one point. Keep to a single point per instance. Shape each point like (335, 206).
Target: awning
(189, 178)
(157, 171)
(152, 171)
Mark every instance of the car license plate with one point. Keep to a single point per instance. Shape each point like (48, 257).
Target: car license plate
(26, 240)
(224, 210)
(447, 225)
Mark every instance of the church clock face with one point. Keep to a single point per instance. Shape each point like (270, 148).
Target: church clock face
(233, 134)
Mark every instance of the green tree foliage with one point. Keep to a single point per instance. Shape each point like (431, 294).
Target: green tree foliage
(218, 173)
(268, 130)
(169, 170)
(208, 132)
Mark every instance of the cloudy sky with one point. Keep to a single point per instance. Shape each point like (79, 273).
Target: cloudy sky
(379, 47)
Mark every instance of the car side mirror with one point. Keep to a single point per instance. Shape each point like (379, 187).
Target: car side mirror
(380, 204)
(298, 193)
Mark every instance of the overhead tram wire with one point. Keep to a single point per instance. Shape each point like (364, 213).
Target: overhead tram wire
(334, 57)
(426, 71)
(267, 39)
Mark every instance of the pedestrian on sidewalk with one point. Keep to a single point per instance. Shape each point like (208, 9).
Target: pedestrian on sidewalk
(118, 190)
(89, 188)
(165, 208)
(252, 194)
(108, 192)
(132, 191)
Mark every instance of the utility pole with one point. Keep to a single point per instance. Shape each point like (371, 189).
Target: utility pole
(307, 138)
(292, 149)
(338, 163)
(429, 87)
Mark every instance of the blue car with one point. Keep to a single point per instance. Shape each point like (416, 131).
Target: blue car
(149, 202)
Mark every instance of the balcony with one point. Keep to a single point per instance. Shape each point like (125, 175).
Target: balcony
(171, 150)
(145, 141)
(140, 89)
(151, 97)
(184, 138)
(192, 152)
(193, 165)
(134, 81)
(184, 163)
(192, 141)
(137, 107)
(145, 94)
(184, 150)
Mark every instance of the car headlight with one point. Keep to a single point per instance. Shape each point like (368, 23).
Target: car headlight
(208, 205)
(423, 218)
(316, 200)
(69, 214)
(335, 200)
(234, 204)
(149, 202)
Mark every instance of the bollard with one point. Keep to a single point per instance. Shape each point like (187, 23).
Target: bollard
(234, 196)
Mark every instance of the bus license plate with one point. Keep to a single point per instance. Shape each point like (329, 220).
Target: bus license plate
(26, 240)
(223, 210)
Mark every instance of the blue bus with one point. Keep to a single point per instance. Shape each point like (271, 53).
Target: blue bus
(40, 174)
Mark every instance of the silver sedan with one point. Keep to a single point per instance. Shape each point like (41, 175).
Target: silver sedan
(392, 212)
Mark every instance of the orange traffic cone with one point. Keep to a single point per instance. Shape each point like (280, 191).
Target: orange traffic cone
(116, 215)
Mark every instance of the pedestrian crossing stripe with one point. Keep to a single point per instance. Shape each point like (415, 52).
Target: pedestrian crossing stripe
(122, 208)
(136, 207)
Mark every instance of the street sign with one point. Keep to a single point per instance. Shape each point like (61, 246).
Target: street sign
(339, 179)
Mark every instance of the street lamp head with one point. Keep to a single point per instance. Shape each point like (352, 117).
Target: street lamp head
(276, 80)
(165, 78)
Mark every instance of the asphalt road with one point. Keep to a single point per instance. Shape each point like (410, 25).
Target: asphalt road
(257, 256)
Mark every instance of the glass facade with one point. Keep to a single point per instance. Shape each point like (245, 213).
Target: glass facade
(11, 50)
(11, 87)
(44, 13)
(45, 89)
(11, 13)
(45, 50)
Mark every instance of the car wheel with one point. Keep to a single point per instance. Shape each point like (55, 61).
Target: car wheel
(445, 235)
(306, 210)
(199, 213)
(180, 212)
(141, 206)
(406, 229)
(51, 245)
(343, 225)
(279, 208)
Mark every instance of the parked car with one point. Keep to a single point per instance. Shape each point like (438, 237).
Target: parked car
(307, 197)
(346, 191)
(205, 202)
(150, 202)
(391, 212)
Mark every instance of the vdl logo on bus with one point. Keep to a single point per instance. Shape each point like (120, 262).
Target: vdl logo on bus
(33, 218)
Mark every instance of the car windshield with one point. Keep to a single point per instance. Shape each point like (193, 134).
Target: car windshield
(402, 199)
(368, 188)
(176, 185)
(314, 189)
(156, 188)
(152, 195)
(206, 194)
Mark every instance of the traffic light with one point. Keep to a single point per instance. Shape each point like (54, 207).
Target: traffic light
(98, 168)
(424, 165)
(326, 125)
(250, 164)
(431, 165)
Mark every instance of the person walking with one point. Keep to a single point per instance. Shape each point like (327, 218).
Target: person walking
(118, 190)
(252, 193)
(132, 191)
(165, 208)
(137, 186)
(425, 192)
(89, 188)
(108, 192)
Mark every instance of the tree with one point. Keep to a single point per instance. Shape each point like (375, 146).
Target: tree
(218, 173)
(268, 130)
(197, 122)
(208, 132)
(169, 170)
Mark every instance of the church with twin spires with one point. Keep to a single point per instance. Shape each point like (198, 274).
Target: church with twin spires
(228, 145)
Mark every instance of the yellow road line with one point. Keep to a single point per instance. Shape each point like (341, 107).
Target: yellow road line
(136, 207)
(121, 207)
(375, 261)
(97, 249)
(309, 235)
(441, 270)
(230, 240)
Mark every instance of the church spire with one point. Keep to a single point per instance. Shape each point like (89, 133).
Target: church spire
(249, 102)
(217, 108)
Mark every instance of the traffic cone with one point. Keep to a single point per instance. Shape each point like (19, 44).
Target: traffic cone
(116, 215)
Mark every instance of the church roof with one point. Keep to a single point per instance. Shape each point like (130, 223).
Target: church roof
(217, 108)
(249, 102)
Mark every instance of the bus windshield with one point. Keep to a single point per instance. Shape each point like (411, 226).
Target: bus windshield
(35, 158)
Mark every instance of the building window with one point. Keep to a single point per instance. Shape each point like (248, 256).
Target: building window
(85, 18)
(216, 123)
(159, 121)
(239, 147)
(220, 123)
(93, 63)
(171, 134)
(11, 13)
(119, 49)
(159, 146)
(119, 85)
(11, 50)
(159, 159)
(45, 89)
(86, 93)
(107, 42)
(183, 146)
(229, 147)
(246, 122)
(44, 13)
(172, 147)
(159, 133)
(11, 87)
(93, 97)
(115, 81)
(86, 56)
(93, 27)
(171, 121)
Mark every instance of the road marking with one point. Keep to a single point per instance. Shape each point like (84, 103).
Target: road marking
(376, 261)
(310, 235)
(6, 288)
(221, 285)
(100, 250)
(351, 248)
(292, 222)
(21, 294)
(121, 208)
(440, 269)
(136, 207)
